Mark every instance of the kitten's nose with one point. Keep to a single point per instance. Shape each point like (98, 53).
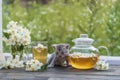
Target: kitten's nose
(62, 53)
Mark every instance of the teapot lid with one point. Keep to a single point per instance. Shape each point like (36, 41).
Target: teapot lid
(83, 40)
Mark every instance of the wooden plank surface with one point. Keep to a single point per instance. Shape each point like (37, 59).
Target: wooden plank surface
(61, 74)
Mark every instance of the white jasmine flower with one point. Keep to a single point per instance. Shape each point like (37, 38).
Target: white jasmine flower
(19, 64)
(33, 65)
(9, 64)
(11, 24)
(78, 54)
(102, 65)
(2, 64)
(39, 46)
(13, 63)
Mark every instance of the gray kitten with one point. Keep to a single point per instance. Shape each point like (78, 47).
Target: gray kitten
(60, 55)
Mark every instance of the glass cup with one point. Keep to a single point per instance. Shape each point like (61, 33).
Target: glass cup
(39, 51)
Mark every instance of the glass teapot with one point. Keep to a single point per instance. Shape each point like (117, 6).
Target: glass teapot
(84, 55)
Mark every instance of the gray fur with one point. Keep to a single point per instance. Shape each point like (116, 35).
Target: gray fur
(59, 57)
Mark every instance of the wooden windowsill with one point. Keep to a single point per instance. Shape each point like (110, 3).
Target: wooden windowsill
(62, 73)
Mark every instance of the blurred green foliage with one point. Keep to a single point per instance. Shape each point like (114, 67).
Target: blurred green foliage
(60, 21)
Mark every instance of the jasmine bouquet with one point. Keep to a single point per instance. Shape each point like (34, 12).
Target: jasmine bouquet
(17, 37)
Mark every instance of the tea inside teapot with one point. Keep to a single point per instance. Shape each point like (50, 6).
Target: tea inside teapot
(83, 61)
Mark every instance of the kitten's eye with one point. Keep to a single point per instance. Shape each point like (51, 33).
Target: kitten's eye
(59, 49)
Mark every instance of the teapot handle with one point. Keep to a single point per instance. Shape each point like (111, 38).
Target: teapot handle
(108, 53)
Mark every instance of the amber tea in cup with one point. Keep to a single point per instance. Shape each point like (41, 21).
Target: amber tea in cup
(40, 53)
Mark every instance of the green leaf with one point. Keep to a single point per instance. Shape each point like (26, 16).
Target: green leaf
(6, 35)
(44, 67)
(20, 48)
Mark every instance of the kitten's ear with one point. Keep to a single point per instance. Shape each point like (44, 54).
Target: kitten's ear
(54, 46)
(67, 46)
